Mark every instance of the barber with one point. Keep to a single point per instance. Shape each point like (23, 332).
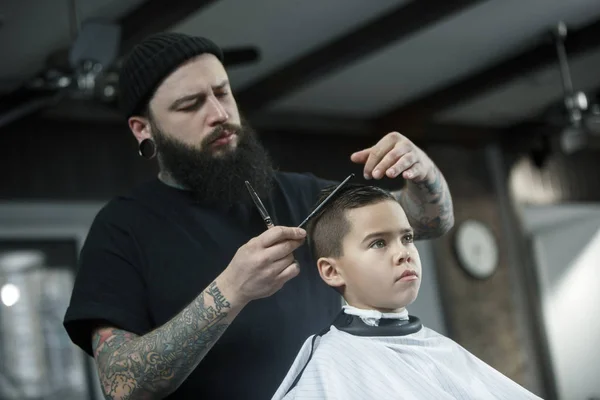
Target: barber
(181, 292)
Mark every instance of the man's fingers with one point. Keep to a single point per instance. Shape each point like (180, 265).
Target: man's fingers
(402, 163)
(281, 233)
(281, 250)
(360, 156)
(390, 160)
(393, 155)
(289, 272)
(413, 172)
(377, 153)
(375, 157)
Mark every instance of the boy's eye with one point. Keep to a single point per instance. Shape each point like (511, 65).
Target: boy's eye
(408, 238)
(378, 244)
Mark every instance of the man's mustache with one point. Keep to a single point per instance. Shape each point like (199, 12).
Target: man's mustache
(220, 131)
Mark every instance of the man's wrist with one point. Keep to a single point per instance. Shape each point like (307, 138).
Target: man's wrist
(230, 292)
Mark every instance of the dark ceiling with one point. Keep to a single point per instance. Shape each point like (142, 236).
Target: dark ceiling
(461, 70)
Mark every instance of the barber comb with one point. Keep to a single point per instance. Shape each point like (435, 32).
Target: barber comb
(320, 206)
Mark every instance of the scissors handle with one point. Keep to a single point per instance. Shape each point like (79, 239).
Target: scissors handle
(269, 223)
(260, 206)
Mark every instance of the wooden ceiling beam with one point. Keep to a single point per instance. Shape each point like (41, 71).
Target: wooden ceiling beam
(400, 23)
(537, 57)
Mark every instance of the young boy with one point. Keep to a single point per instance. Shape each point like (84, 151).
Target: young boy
(364, 246)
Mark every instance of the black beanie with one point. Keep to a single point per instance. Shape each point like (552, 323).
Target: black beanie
(154, 59)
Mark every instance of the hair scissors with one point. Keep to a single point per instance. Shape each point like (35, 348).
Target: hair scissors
(259, 204)
(267, 218)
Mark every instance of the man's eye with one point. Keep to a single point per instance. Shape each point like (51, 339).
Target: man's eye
(189, 107)
(408, 238)
(221, 94)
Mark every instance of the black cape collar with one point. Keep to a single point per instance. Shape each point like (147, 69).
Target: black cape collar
(354, 325)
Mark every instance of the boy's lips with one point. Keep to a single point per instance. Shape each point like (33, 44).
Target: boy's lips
(408, 275)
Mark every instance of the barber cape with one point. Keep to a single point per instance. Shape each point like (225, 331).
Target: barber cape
(421, 365)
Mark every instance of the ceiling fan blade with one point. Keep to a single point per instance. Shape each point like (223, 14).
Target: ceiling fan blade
(240, 55)
(97, 42)
(28, 108)
(28, 99)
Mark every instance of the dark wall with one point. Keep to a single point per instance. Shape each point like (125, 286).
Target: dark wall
(47, 160)
(480, 314)
(52, 161)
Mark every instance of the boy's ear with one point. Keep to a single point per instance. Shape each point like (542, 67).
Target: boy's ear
(330, 272)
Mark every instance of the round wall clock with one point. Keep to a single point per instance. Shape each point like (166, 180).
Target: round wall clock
(476, 249)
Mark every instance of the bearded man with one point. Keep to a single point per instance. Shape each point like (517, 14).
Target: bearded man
(180, 288)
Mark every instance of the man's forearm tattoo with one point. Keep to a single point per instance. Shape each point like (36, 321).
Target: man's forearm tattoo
(220, 300)
(154, 365)
(428, 206)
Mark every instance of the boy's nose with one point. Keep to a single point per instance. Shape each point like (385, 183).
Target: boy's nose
(402, 256)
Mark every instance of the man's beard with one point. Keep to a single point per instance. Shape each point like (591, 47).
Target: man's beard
(217, 180)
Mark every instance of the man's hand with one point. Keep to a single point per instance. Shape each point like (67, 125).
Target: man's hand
(263, 265)
(395, 155)
(426, 198)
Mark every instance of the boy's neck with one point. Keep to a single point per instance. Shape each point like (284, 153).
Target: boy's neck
(372, 317)
(379, 310)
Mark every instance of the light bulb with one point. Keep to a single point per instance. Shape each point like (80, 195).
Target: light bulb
(9, 294)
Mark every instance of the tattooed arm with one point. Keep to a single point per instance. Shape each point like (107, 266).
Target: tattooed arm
(428, 205)
(154, 365)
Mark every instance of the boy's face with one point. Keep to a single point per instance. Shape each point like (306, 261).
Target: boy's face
(380, 268)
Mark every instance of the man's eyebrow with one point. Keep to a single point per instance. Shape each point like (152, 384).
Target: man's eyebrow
(385, 233)
(195, 96)
(221, 85)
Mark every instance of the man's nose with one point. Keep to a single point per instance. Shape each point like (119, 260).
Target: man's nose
(216, 112)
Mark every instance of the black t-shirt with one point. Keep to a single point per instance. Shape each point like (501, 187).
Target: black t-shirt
(150, 254)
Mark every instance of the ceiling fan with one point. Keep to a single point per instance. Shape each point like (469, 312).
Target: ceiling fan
(88, 71)
(581, 128)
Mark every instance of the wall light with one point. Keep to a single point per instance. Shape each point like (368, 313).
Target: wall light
(10, 294)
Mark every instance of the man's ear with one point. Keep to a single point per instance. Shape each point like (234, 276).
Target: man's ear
(140, 127)
(330, 272)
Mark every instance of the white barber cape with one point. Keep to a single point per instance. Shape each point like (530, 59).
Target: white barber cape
(421, 366)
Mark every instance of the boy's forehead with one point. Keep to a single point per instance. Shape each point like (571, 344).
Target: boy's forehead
(385, 214)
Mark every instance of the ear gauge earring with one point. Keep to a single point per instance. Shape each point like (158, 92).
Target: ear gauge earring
(147, 149)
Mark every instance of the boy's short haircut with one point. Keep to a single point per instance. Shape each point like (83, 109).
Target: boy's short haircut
(328, 228)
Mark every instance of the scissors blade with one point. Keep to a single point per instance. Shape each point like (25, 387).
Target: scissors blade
(316, 210)
(259, 204)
